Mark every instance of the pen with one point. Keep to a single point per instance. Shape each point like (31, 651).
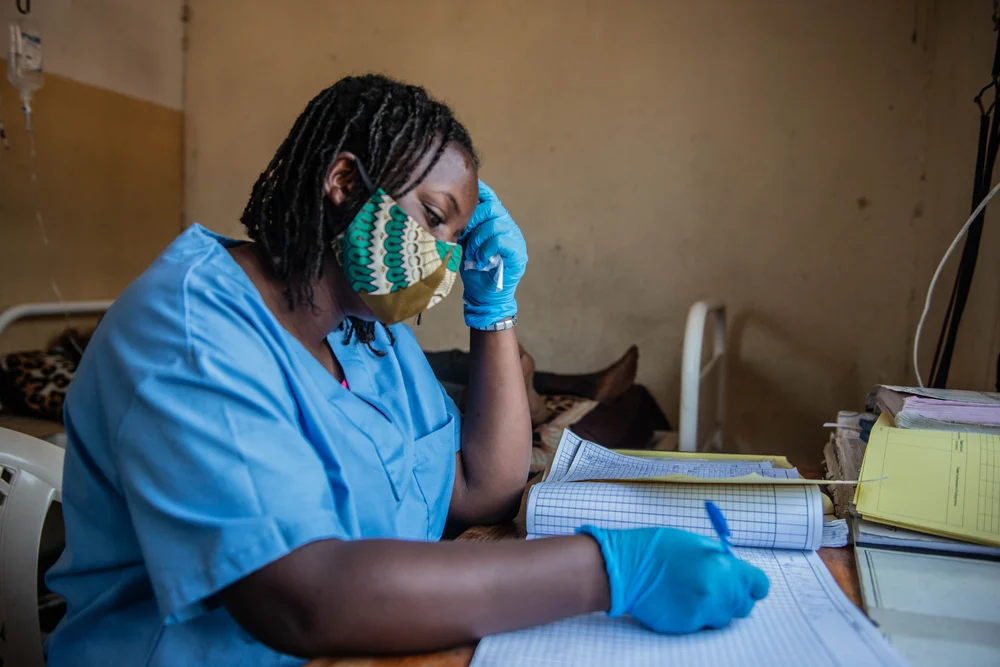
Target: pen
(719, 524)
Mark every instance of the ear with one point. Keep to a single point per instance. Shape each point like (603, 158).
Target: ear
(341, 178)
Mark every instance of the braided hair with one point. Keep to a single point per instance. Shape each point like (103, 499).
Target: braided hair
(390, 126)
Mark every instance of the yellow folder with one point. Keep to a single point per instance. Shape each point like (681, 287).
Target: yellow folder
(941, 482)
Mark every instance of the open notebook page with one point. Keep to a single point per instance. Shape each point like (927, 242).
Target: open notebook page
(593, 462)
(563, 458)
(805, 620)
(768, 516)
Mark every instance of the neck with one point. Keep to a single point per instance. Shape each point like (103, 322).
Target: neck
(329, 310)
(311, 325)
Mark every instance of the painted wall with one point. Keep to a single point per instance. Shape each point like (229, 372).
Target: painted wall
(129, 47)
(102, 194)
(964, 45)
(806, 163)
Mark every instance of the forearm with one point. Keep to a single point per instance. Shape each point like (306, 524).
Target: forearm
(496, 436)
(380, 596)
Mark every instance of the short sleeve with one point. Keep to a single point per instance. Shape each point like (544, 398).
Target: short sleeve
(217, 475)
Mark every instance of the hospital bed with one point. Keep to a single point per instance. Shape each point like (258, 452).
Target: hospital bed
(36, 427)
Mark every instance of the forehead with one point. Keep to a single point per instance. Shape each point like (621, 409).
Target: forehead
(454, 173)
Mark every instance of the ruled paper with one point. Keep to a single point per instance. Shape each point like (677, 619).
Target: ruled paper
(805, 620)
(759, 515)
(590, 461)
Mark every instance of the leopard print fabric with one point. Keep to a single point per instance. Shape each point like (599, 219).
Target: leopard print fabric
(34, 383)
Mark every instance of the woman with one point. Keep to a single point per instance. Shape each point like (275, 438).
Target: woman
(261, 461)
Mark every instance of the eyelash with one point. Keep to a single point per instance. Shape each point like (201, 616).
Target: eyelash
(433, 218)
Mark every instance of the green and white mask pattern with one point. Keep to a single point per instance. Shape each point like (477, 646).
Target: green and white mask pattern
(394, 264)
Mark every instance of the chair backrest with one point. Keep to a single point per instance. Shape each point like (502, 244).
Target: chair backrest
(703, 384)
(30, 481)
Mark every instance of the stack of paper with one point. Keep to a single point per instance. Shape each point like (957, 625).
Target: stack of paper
(835, 532)
(940, 409)
(939, 482)
(881, 535)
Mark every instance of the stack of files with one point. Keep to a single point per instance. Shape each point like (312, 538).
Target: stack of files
(871, 534)
(945, 483)
(775, 519)
(940, 409)
(929, 542)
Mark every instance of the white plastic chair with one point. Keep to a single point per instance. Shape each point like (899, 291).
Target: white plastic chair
(699, 381)
(30, 481)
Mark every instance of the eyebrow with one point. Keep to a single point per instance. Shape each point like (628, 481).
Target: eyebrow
(454, 202)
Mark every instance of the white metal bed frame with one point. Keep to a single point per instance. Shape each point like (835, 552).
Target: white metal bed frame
(26, 310)
(697, 378)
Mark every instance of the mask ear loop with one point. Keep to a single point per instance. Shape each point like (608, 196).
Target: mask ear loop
(364, 176)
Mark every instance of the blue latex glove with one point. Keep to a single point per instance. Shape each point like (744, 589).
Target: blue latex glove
(675, 581)
(491, 233)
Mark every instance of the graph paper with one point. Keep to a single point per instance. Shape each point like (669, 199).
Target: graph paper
(593, 462)
(767, 516)
(805, 620)
(563, 458)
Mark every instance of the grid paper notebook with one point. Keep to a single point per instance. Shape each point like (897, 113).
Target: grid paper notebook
(593, 462)
(759, 515)
(805, 620)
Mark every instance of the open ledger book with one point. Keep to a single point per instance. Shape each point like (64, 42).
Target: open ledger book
(770, 506)
(776, 522)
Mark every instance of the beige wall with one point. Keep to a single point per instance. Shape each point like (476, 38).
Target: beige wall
(963, 54)
(108, 130)
(776, 155)
(126, 46)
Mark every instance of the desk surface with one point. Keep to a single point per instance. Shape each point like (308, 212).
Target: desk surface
(840, 562)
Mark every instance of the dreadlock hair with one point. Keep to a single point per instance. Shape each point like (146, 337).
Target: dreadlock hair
(390, 126)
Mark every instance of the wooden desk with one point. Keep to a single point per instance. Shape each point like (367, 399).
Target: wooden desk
(840, 562)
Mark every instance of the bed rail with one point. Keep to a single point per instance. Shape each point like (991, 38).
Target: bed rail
(696, 378)
(32, 310)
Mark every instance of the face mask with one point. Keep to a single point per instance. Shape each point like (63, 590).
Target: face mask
(395, 265)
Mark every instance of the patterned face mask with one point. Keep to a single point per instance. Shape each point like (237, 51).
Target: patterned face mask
(395, 265)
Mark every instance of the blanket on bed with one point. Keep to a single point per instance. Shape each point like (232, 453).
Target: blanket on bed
(34, 383)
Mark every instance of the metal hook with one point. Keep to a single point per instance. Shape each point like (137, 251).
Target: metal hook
(26, 9)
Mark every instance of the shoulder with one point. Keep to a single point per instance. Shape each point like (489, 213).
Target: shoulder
(193, 297)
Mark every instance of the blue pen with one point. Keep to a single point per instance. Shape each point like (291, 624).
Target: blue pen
(719, 524)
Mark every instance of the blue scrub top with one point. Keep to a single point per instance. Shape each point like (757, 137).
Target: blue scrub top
(205, 442)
